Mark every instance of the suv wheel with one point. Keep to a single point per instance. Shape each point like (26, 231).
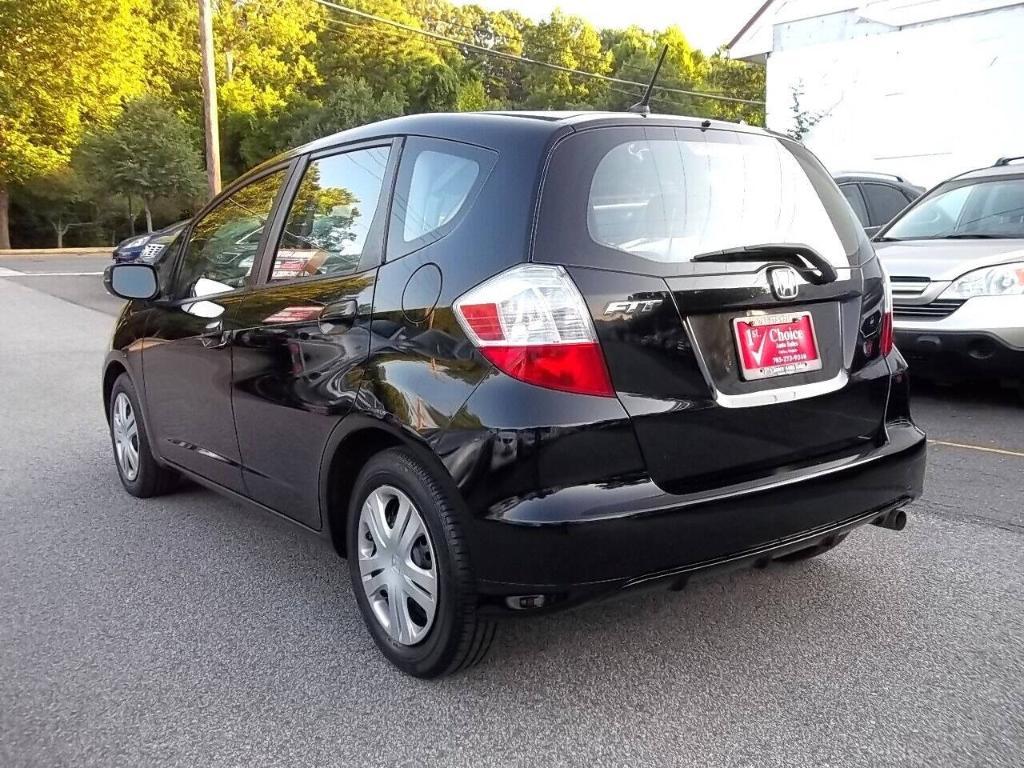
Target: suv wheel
(140, 474)
(410, 569)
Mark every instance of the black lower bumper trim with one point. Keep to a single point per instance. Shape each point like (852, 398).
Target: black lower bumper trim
(959, 355)
(573, 560)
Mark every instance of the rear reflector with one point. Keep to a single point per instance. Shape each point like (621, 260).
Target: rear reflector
(885, 343)
(576, 368)
(532, 323)
(885, 334)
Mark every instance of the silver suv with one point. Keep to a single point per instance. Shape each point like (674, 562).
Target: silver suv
(956, 264)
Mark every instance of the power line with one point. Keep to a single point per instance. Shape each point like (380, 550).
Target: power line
(525, 60)
(398, 33)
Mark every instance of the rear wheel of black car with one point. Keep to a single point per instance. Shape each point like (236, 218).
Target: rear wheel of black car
(140, 473)
(410, 569)
(818, 549)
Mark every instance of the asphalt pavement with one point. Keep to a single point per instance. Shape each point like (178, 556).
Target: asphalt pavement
(187, 630)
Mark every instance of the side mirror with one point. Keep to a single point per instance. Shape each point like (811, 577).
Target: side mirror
(131, 281)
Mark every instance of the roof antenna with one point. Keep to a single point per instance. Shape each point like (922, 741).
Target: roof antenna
(643, 107)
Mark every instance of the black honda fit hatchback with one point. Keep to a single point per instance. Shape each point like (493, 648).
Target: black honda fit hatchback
(511, 362)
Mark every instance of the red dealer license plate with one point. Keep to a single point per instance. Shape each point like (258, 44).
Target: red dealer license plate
(776, 345)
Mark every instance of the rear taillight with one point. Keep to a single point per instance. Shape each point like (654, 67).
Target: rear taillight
(532, 323)
(885, 336)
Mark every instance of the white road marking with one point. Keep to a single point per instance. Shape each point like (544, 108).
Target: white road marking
(13, 273)
(1002, 451)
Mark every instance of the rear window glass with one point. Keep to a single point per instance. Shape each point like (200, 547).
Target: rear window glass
(669, 197)
(440, 185)
(437, 183)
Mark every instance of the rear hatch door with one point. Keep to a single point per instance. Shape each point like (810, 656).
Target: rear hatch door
(735, 295)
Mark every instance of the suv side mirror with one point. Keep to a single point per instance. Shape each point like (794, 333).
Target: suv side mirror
(131, 281)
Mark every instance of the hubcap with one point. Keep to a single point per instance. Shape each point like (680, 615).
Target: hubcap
(126, 436)
(397, 565)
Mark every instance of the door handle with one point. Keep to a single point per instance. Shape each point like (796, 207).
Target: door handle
(214, 336)
(338, 312)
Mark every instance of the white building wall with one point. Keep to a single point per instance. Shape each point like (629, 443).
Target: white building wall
(925, 101)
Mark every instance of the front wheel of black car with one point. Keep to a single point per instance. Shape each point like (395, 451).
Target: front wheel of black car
(410, 569)
(140, 474)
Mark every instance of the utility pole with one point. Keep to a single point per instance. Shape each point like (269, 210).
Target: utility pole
(209, 97)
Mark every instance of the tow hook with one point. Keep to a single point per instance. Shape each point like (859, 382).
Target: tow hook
(894, 520)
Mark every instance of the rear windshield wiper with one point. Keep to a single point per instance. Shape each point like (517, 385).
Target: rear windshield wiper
(792, 253)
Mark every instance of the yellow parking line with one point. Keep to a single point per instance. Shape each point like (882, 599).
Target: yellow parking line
(1003, 451)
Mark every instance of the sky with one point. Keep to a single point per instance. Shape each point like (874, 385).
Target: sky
(706, 23)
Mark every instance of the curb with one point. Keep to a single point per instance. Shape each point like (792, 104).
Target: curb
(55, 252)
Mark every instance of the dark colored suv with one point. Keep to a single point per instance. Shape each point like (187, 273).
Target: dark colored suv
(512, 362)
(876, 198)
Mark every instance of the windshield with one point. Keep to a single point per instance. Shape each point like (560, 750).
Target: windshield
(669, 199)
(986, 208)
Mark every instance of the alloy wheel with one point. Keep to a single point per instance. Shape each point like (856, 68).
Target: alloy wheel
(397, 565)
(126, 436)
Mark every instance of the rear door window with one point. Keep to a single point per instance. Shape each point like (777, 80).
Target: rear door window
(650, 199)
(884, 202)
(438, 181)
(330, 227)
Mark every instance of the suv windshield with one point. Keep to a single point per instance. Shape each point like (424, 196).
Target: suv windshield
(651, 199)
(979, 208)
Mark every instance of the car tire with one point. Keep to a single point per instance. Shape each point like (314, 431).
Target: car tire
(818, 549)
(402, 524)
(139, 471)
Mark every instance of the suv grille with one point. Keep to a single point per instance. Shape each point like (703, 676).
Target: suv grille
(151, 250)
(936, 310)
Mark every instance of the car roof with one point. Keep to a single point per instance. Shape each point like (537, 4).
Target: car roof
(869, 176)
(993, 171)
(875, 177)
(503, 128)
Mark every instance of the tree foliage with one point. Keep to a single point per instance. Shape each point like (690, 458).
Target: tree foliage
(289, 71)
(150, 152)
(63, 65)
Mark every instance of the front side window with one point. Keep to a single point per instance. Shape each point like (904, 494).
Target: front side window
(436, 185)
(984, 208)
(330, 224)
(222, 248)
(668, 199)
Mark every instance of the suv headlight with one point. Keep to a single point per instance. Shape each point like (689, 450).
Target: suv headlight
(1003, 280)
(135, 242)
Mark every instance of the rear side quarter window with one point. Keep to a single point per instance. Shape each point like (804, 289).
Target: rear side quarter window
(438, 180)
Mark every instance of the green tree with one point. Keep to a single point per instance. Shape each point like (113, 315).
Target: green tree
(352, 104)
(150, 152)
(571, 42)
(265, 54)
(57, 198)
(389, 60)
(803, 120)
(63, 66)
(738, 79)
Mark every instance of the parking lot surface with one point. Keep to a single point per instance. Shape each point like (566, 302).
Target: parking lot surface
(186, 630)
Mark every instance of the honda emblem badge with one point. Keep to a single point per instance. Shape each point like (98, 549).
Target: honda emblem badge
(785, 282)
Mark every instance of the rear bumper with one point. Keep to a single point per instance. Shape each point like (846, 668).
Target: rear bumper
(583, 542)
(960, 354)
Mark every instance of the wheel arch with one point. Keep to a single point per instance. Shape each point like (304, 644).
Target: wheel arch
(352, 444)
(111, 372)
